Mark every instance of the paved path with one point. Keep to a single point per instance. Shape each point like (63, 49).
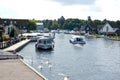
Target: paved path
(13, 68)
(16, 69)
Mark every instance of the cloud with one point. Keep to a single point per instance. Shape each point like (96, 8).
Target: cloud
(53, 9)
(110, 10)
(76, 2)
(95, 9)
(7, 12)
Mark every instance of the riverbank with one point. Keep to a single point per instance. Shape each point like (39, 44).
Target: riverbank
(117, 38)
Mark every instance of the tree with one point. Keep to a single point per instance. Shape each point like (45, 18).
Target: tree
(12, 33)
(49, 24)
(104, 21)
(61, 22)
(72, 23)
(89, 20)
(1, 33)
(32, 25)
(118, 23)
(45, 23)
(97, 22)
(55, 25)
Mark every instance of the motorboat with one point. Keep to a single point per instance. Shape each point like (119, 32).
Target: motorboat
(45, 43)
(77, 40)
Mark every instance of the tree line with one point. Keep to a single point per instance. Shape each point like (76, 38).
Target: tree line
(75, 24)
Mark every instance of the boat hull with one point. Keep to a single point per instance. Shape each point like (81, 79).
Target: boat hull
(77, 42)
(44, 47)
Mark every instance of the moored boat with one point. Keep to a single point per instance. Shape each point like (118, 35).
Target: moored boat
(32, 36)
(44, 43)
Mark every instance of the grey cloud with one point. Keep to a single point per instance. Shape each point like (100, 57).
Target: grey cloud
(76, 2)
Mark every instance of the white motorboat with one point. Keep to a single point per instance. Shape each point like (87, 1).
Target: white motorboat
(44, 43)
(77, 40)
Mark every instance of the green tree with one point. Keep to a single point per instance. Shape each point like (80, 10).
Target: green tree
(61, 22)
(104, 21)
(89, 20)
(45, 23)
(49, 24)
(118, 23)
(97, 22)
(1, 33)
(55, 25)
(72, 23)
(32, 25)
(12, 33)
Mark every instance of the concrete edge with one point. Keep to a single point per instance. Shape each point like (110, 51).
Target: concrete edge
(22, 46)
(44, 78)
(18, 48)
(8, 55)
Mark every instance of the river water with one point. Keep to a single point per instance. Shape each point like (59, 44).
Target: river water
(98, 59)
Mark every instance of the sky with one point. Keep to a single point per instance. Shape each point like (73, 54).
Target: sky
(54, 9)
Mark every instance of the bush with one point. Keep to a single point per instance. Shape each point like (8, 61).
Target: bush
(5, 37)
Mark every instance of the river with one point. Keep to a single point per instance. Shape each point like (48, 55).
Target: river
(98, 59)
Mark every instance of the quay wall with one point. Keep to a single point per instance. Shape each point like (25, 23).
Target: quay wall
(17, 47)
(43, 78)
(22, 46)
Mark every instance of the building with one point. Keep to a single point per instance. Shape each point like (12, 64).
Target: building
(108, 29)
(88, 28)
(18, 24)
(40, 26)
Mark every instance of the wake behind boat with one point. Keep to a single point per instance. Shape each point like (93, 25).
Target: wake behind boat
(77, 40)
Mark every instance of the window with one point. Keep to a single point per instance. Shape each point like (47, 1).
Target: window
(107, 29)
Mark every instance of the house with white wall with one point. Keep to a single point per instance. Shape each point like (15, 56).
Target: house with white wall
(108, 29)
